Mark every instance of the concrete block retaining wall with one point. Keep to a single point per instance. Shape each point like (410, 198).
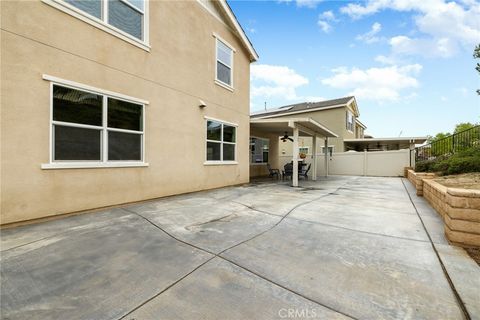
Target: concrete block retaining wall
(416, 178)
(459, 208)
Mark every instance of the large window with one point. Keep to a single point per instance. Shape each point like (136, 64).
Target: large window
(93, 127)
(258, 150)
(221, 140)
(127, 16)
(350, 121)
(224, 67)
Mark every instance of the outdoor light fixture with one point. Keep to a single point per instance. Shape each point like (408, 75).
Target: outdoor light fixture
(202, 104)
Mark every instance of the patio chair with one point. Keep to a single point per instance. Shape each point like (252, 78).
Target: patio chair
(273, 172)
(287, 170)
(304, 173)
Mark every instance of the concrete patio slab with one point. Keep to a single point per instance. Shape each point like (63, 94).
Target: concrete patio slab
(465, 275)
(93, 273)
(362, 275)
(362, 252)
(395, 224)
(244, 295)
(214, 226)
(22, 235)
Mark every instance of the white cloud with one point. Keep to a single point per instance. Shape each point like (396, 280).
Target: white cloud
(313, 98)
(378, 84)
(308, 3)
(275, 81)
(328, 15)
(446, 26)
(403, 45)
(357, 11)
(385, 60)
(325, 19)
(371, 36)
(324, 25)
(312, 4)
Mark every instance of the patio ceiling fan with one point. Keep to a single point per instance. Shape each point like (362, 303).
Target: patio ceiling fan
(286, 137)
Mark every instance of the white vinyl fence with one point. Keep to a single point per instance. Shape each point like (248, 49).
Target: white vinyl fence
(375, 163)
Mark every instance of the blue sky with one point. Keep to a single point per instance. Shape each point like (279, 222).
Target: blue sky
(408, 62)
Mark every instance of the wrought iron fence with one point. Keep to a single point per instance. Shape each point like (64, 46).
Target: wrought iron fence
(449, 145)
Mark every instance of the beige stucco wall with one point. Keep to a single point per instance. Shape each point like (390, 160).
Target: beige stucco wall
(179, 70)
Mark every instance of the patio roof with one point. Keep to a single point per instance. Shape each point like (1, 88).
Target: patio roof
(378, 143)
(298, 126)
(306, 126)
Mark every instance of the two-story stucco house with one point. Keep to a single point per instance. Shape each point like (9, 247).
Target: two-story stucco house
(111, 102)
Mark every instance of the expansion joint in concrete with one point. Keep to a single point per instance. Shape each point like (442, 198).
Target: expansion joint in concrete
(444, 269)
(219, 255)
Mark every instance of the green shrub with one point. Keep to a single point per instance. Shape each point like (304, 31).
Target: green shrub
(463, 165)
(464, 161)
(424, 166)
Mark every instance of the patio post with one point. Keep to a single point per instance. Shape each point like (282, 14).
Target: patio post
(314, 157)
(295, 157)
(326, 156)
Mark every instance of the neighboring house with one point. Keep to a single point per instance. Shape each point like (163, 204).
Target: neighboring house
(339, 115)
(111, 102)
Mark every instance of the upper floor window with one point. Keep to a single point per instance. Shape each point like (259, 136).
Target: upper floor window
(224, 63)
(126, 15)
(221, 142)
(350, 121)
(126, 19)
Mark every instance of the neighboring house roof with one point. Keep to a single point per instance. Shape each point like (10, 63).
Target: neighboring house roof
(283, 125)
(238, 28)
(305, 107)
(361, 124)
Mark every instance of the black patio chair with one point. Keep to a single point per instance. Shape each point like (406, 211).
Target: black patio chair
(304, 173)
(287, 170)
(273, 172)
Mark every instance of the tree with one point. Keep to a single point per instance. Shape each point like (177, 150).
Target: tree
(463, 126)
(438, 136)
(476, 55)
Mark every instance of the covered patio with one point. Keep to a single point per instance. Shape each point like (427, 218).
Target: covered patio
(383, 144)
(272, 129)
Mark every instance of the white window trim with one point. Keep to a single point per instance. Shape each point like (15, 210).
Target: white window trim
(221, 142)
(227, 86)
(222, 121)
(91, 89)
(104, 163)
(102, 25)
(259, 163)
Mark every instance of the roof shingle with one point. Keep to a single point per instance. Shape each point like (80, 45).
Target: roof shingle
(304, 106)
